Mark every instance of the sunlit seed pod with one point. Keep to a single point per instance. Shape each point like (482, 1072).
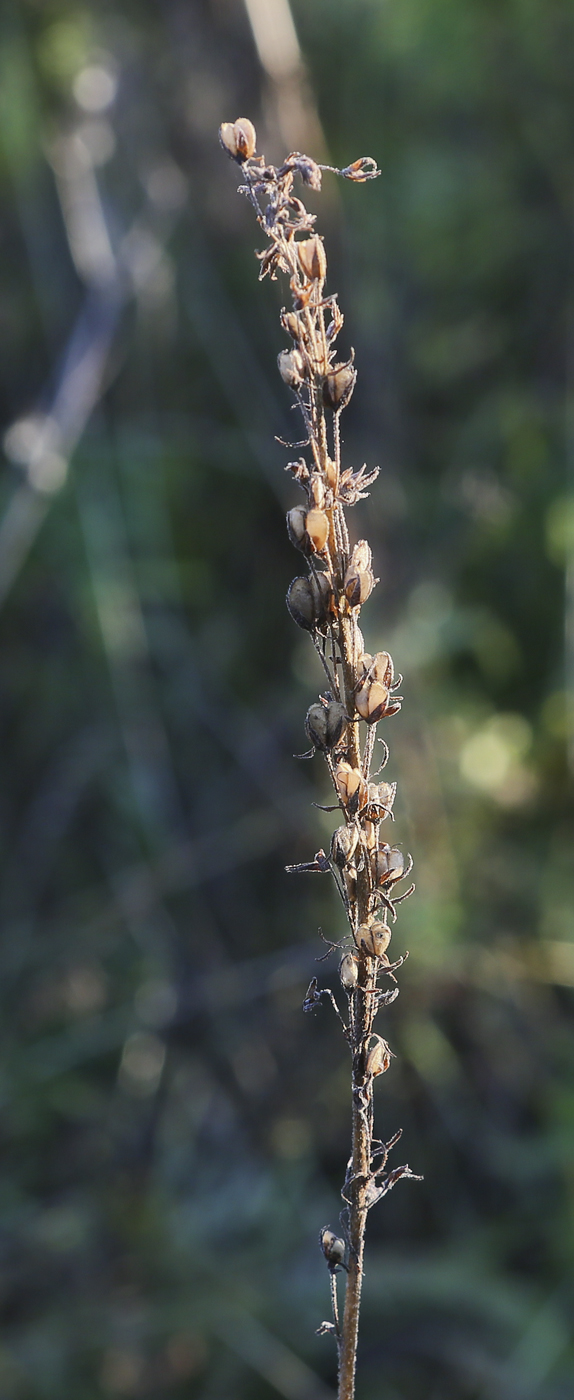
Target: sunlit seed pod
(349, 971)
(378, 1058)
(348, 780)
(343, 845)
(364, 664)
(312, 258)
(338, 386)
(296, 529)
(317, 490)
(291, 367)
(382, 668)
(387, 865)
(301, 603)
(372, 701)
(361, 558)
(317, 527)
(374, 939)
(333, 1248)
(239, 138)
(358, 585)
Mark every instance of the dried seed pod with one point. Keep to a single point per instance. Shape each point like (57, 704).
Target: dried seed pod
(301, 603)
(379, 800)
(238, 139)
(317, 527)
(350, 784)
(317, 490)
(374, 702)
(313, 258)
(325, 724)
(309, 600)
(291, 324)
(387, 865)
(361, 558)
(378, 1058)
(349, 971)
(358, 585)
(291, 367)
(333, 1248)
(374, 939)
(296, 528)
(343, 845)
(301, 295)
(338, 386)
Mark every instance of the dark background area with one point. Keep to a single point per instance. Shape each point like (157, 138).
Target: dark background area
(173, 1130)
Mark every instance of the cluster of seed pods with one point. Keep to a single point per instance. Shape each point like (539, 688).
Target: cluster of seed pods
(360, 689)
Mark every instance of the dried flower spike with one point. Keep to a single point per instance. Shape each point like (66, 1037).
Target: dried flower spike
(326, 602)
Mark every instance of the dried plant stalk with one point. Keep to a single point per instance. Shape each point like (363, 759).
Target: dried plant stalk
(361, 688)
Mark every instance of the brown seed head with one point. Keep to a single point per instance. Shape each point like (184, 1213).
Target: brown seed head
(343, 845)
(350, 784)
(296, 528)
(387, 865)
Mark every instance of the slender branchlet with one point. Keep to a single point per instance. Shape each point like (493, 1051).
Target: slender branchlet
(360, 690)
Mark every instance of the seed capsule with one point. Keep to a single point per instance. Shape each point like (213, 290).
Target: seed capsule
(317, 527)
(358, 586)
(378, 1058)
(350, 784)
(333, 1248)
(296, 528)
(387, 865)
(308, 601)
(325, 724)
(312, 258)
(239, 139)
(374, 939)
(338, 386)
(291, 324)
(291, 367)
(349, 971)
(343, 845)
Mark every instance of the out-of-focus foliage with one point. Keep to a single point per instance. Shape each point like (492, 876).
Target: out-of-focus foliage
(174, 1132)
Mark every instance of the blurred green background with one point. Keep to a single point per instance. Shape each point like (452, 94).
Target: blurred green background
(173, 1131)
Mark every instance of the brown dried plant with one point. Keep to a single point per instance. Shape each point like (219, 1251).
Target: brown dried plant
(361, 689)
